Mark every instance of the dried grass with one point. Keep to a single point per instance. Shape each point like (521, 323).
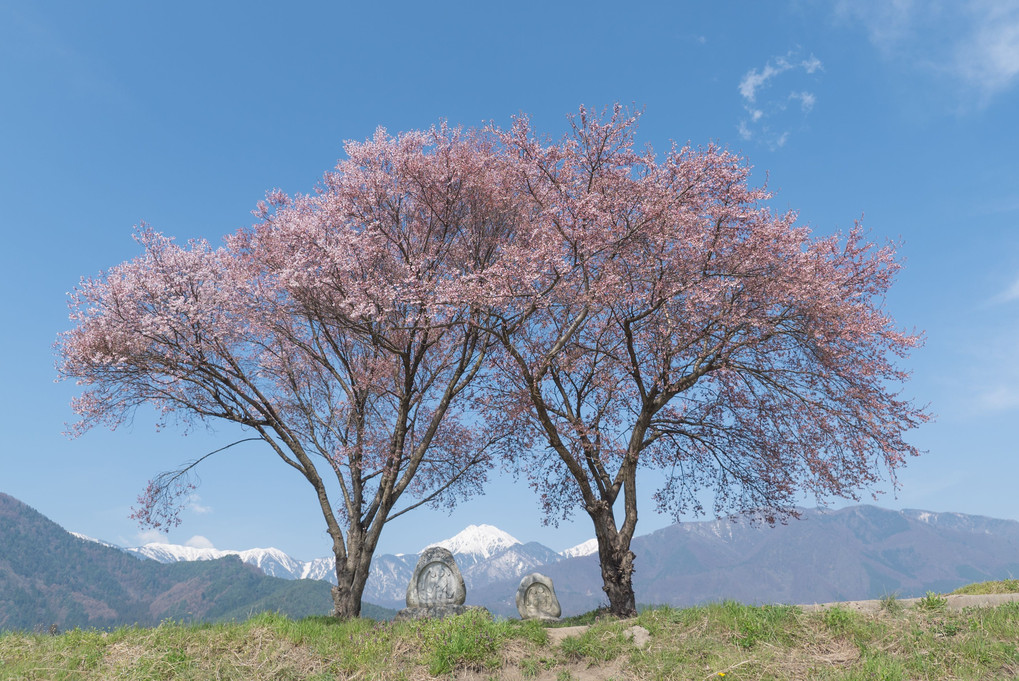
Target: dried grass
(700, 643)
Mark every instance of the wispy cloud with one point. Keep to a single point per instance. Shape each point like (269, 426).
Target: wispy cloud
(195, 505)
(149, 537)
(1000, 398)
(806, 100)
(987, 364)
(1008, 295)
(766, 105)
(199, 542)
(988, 56)
(975, 43)
(756, 79)
(812, 64)
(887, 21)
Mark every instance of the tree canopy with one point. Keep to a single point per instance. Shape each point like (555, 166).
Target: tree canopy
(327, 330)
(666, 318)
(446, 295)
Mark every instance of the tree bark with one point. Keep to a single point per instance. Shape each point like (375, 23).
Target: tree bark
(616, 560)
(351, 577)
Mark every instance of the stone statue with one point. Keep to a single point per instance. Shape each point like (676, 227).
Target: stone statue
(437, 584)
(437, 587)
(536, 598)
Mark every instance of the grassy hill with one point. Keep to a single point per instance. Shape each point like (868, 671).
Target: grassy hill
(48, 576)
(726, 641)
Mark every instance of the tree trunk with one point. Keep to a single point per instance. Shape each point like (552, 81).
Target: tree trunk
(617, 578)
(351, 576)
(616, 560)
(347, 593)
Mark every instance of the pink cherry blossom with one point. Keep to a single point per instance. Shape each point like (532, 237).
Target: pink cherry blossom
(584, 308)
(659, 315)
(331, 330)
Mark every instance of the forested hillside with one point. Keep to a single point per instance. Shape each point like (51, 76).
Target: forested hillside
(48, 576)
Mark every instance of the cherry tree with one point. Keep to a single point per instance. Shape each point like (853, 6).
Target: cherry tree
(655, 314)
(330, 330)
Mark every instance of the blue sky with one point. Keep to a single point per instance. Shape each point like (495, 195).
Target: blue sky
(184, 114)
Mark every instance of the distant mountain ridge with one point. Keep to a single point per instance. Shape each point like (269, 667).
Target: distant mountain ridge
(50, 576)
(484, 553)
(853, 553)
(271, 561)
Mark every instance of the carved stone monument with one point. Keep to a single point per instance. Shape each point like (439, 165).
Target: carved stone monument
(536, 598)
(437, 587)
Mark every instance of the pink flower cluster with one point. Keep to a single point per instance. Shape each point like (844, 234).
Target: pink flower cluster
(448, 295)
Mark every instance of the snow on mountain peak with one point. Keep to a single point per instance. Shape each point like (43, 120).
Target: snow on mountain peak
(480, 540)
(271, 561)
(85, 537)
(172, 553)
(584, 549)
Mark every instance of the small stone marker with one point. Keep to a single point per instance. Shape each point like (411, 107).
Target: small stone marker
(536, 598)
(437, 587)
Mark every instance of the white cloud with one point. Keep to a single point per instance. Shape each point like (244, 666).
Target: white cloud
(887, 21)
(195, 505)
(199, 542)
(812, 64)
(768, 118)
(988, 56)
(807, 100)
(975, 43)
(1001, 398)
(753, 80)
(149, 537)
(1009, 294)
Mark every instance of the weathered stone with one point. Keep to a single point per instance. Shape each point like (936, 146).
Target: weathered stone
(437, 588)
(436, 581)
(536, 598)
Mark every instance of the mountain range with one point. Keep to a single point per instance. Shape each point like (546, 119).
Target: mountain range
(49, 576)
(854, 553)
(484, 554)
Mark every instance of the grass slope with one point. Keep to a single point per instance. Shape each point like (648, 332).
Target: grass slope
(720, 641)
(1005, 586)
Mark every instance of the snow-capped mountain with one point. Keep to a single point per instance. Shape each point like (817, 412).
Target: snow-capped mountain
(582, 549)
(320, 568)
(85, 537)
(272, 562)
(480, 541)
(849, 554)
(484, 553)
(390, 575)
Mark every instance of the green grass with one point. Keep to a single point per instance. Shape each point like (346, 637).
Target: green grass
(932, 601)
(1005, 586)
(890, 603)
(727, 641)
